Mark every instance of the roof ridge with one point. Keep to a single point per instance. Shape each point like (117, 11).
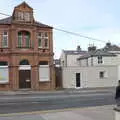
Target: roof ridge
(25, 3)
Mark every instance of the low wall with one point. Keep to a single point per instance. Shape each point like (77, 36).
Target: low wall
(117, 113)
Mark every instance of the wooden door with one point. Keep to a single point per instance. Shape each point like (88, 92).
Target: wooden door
(24, 79)
(77, 79)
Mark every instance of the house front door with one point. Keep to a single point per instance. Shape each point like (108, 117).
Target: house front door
(24, 79)
(77, 80)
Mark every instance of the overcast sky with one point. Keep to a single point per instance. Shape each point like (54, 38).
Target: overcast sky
(94, 18)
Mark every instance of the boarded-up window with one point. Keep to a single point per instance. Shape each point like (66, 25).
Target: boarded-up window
(44, 73)
(4, 75)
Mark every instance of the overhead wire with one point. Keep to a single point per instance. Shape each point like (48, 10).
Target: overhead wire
(69, 32)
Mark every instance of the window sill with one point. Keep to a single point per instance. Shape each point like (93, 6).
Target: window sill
(25, 47)
(4, 83)
(43, 47)
(44, 81)
(103, 78)
(4, 48)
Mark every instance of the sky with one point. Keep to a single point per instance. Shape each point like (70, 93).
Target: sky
(94, 18)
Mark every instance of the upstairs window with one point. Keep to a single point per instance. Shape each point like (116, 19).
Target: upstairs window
(23, 16)
(46, 43)
(27, 16)
(40, 40)
(20, 39)
(43, 40)
(23, 39)
(100, 60)
(5, 40)
(20, 16)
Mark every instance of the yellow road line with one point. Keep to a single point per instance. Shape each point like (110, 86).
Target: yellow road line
(48, 111)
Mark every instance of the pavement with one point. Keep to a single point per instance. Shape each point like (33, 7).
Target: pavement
(60, 91)
(88, 113)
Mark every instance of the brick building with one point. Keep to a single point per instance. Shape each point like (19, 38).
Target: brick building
(26, 52)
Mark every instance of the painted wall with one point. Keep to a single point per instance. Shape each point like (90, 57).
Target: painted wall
(90, 76)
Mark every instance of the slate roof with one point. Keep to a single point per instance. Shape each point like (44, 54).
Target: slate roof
(8, 21)
(74, 52)
(96, 53)
(101, 53)
(39, 24)
(112, 48)
(25, 4)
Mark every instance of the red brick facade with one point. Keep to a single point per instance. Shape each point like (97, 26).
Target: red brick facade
(13, 54)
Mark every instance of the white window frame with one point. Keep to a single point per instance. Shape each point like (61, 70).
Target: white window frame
(27, 16)
(46, 38)
(105, 74)
(43, 38)
(100, 59)
(20, 38)
(5, 37)
(20, 16)
(44, 79)
(7, 80)
(39, 37)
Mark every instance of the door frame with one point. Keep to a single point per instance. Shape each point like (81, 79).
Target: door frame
(25, 68)
(76, 80)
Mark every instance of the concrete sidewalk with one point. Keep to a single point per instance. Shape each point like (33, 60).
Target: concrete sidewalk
(61, 91)
(91, 113)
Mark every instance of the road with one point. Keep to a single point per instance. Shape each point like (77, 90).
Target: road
(40, 102)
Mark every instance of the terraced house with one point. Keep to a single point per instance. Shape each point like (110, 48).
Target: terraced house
(26, 52)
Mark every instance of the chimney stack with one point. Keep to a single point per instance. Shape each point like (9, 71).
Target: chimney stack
(91, 48)
(78, 48)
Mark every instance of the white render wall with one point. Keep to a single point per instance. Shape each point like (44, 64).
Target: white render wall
(110, 60)
(72, 60)
(90, 76)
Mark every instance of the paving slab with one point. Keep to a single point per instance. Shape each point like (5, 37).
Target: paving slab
(91, 113)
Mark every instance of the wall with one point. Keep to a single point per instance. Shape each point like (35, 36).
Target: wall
(110, 60)
(72, 60)
(90, 76)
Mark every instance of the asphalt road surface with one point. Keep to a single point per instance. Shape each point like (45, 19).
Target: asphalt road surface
(40, 102)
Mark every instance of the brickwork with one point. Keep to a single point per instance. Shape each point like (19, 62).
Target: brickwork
(13, 54)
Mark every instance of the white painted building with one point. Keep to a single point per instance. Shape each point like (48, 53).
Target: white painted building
(93, 68)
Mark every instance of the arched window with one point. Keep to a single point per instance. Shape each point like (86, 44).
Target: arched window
(23, 39)
(43, 63)
(24, 62)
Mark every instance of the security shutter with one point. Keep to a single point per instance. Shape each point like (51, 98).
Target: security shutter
(44, 73)
(4, 75)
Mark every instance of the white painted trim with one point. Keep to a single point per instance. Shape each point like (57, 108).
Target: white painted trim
(78, 87)
(25, 67)
(4, 66)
